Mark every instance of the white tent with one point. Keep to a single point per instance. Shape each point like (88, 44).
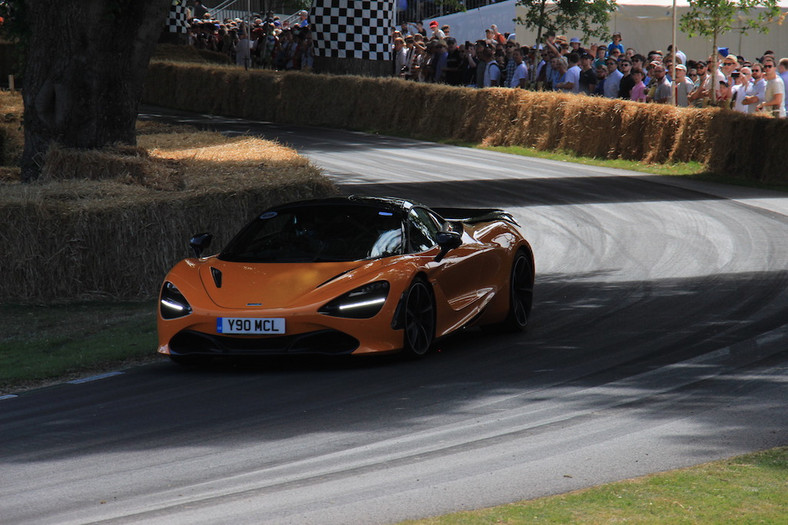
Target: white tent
(470, 25)
(647, 25)
(644, 24)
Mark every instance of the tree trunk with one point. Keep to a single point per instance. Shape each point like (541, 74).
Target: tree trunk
(84, 73)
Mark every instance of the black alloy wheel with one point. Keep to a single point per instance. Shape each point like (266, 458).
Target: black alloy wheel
(419, 326)
(521, 293)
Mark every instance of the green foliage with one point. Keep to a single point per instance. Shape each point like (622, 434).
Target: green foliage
(589, 16)
(711, 18)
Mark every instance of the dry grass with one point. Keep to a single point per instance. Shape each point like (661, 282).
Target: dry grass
(110, 222)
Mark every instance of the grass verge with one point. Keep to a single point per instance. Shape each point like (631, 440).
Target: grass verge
(40, 344)
(692, 170)
(746, 489)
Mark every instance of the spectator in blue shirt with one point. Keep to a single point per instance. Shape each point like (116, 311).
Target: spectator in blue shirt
(615, 44)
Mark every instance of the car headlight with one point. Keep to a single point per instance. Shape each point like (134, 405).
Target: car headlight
(362, 303)
(172, 303)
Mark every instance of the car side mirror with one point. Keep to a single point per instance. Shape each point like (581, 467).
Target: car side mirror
(200, 243)
(447, 241)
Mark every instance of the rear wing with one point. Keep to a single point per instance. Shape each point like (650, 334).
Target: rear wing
(475, 215)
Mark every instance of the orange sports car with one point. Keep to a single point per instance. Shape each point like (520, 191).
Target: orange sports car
(347, 275)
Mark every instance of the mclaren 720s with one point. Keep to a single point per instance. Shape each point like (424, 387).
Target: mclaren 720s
(347, 275)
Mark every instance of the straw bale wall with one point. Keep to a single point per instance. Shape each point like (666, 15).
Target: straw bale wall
(728, 143)
(120, 246)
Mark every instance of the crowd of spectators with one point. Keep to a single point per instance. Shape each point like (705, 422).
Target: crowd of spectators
(608, 69)
(264, 43)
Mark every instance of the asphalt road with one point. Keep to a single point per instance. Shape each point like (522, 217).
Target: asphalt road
(659, 340)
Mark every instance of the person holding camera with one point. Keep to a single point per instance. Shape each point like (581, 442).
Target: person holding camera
(742, 81)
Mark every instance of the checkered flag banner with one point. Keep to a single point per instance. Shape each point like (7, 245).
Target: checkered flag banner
(353, 29)
(176, 22)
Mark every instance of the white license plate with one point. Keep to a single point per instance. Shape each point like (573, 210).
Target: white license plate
(250, 325)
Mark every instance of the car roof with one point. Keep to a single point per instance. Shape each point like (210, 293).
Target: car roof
(382, 203)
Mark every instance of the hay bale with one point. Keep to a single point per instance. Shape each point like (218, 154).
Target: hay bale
(748, 146)
(123, 163)
(693, 136)
(85, 231)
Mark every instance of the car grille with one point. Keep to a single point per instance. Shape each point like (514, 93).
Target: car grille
(323, 342)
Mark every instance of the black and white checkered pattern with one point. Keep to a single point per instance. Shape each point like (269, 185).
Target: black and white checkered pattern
(176, 22)
(353, 29)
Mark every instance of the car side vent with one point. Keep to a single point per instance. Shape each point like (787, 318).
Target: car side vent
(217, 277)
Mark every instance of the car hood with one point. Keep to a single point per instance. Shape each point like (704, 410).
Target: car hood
(269, 285)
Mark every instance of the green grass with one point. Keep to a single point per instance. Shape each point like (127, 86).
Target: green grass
(692, 170)
(741, 490)
(45, 343)
(679, 168)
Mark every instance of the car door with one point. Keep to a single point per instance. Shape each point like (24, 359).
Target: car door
(465, 277)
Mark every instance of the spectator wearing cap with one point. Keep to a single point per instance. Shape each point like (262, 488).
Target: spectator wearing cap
(661, 84)
(756, 91)
(454, 61)
(729, 64)
(613, 78)
(588, 78)
(575, 46)
(488, 38)
(702, 94)
(700, 73)
(303, 19)
(683, 86)
(436, 31)
(615, 44)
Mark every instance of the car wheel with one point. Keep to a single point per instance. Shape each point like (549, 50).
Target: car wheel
(419, 325)
(521, 293)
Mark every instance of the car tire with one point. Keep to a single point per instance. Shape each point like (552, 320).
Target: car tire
(521, 293)
(419, 319)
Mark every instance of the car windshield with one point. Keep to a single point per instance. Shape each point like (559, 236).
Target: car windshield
(318, 233)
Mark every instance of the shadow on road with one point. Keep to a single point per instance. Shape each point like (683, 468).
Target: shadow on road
(598, 342)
